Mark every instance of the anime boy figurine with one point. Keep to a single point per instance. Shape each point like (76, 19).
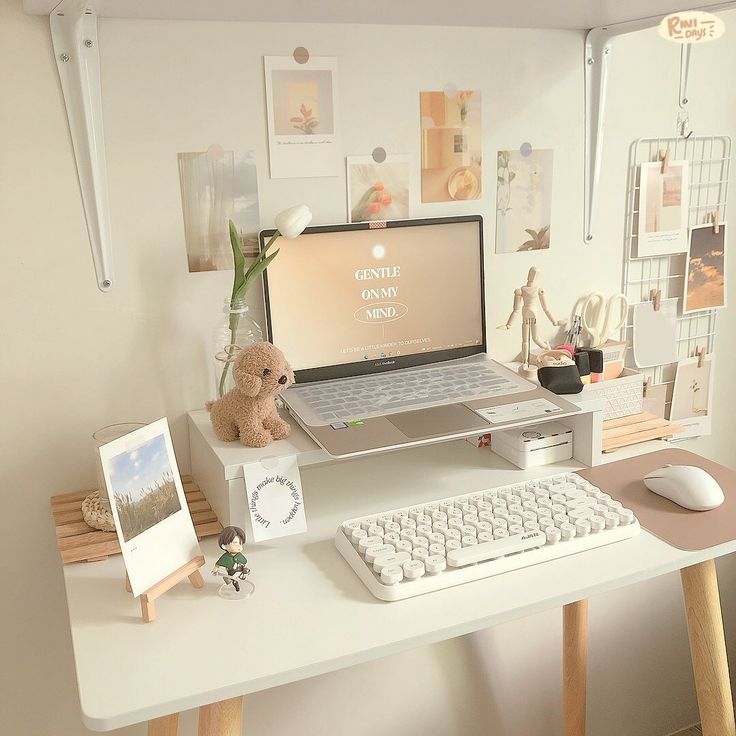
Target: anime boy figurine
(232, 562)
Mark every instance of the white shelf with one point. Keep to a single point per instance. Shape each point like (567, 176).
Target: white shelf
(559, 14)
(232, 455)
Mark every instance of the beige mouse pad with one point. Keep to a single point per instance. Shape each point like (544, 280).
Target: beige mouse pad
(684, 529)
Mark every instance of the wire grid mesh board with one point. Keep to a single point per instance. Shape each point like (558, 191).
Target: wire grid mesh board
(79, 542)
(709, 159)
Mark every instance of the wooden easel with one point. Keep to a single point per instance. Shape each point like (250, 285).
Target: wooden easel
(189, 570)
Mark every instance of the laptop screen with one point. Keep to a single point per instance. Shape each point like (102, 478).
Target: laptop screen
(355, 299)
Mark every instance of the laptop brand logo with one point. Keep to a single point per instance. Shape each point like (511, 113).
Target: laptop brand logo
(385, 362)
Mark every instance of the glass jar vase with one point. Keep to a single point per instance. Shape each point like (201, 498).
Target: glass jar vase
(102, 437)
(236, 331)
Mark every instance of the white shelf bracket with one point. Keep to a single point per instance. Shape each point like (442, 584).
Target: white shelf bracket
(74, 36)
(597, 63)
(598, 52)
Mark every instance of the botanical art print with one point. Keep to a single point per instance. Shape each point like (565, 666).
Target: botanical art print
(302, 124)
(305, 122)
(302, 101)
(523, 200)
(692, 396)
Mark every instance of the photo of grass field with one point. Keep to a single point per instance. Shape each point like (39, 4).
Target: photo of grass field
(143, 487)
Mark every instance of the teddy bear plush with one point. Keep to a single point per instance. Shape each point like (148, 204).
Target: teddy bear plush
(249, 412)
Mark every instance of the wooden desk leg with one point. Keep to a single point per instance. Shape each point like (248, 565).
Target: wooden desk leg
(222, 719)
(708, 649)
(574, 666)
(164, 726)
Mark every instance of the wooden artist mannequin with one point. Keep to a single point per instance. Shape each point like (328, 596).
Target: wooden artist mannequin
(525, 301)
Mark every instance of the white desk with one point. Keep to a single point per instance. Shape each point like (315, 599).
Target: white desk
(310, 613)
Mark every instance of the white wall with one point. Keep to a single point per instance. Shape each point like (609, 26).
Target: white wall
(74, 359)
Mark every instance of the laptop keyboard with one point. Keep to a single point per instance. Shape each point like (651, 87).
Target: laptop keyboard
(369, 396)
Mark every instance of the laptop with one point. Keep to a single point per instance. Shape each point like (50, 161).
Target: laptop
(384, 326)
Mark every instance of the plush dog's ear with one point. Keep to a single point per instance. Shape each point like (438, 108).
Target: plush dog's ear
(246, 382)
(249, 384)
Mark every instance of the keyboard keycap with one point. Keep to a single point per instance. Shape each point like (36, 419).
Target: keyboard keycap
(498, 548)
(413, 569)
(392, 574)
(436, 563)
(367, 542)
(397, 558)
(419, 554)
(373, 552)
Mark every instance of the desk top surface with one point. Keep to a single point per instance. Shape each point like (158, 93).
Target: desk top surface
(310, 613)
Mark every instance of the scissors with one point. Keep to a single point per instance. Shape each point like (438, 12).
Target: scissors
(601, 317)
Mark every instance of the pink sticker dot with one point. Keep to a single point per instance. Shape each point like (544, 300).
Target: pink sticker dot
(450, 90)
(301, 55)
(379, 154)
(215, 152)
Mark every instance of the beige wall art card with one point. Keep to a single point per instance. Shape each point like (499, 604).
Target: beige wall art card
(705, 287)
(662, 205)
(302, 120)
(451, 146)
(378, 191)
(523, 200)
(217, 186)
(148, 504)
(692, 396)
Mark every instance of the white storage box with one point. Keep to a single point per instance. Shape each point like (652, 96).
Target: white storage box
(622, 396)
(532, 446)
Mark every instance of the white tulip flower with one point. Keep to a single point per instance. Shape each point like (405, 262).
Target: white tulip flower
(292, 221)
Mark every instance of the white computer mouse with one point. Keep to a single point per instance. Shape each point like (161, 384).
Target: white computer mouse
(688, 486)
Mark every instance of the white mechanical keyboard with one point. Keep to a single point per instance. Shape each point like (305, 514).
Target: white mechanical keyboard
(426, 547)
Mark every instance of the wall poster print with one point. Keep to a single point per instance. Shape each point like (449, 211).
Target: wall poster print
(663, 205)
(378, 191)
(705, 287)
(217, 186)
(451, 146)
(302, 116)
(692, 397)
(523, 200)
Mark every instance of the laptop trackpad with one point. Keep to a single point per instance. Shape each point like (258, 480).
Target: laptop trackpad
(439, 420)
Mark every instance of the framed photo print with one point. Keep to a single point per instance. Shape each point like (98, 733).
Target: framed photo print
(152, 520)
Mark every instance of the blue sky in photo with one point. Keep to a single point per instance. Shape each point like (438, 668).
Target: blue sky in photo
(133, 472)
